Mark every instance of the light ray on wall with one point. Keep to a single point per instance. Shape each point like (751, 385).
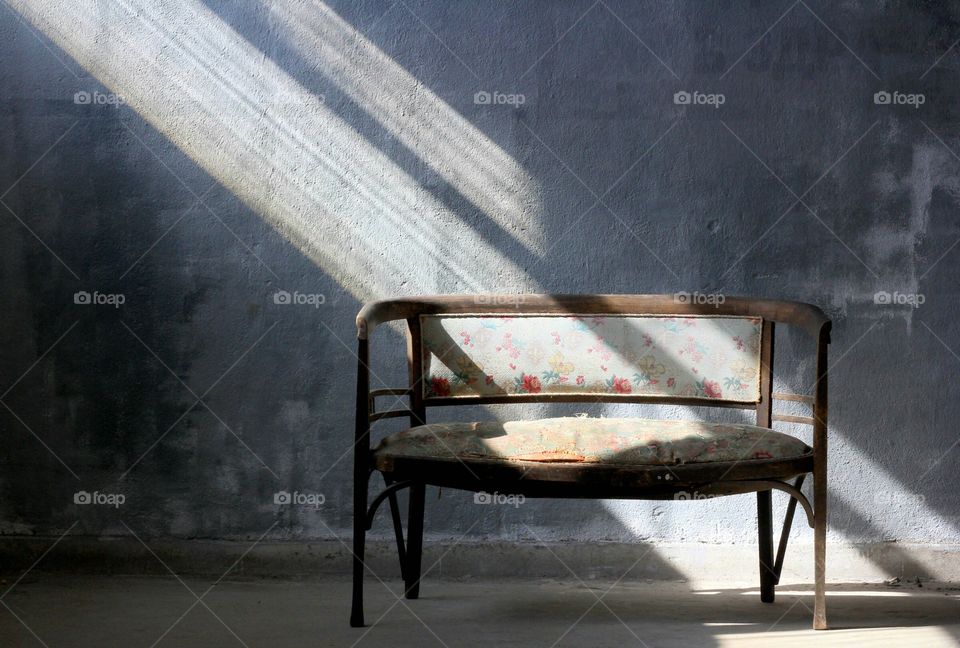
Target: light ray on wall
(297, 164)
(442, 138)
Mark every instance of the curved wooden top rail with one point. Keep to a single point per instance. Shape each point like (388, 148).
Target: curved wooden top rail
(805, 316)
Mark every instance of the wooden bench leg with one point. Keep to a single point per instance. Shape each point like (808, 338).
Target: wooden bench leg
(768, 577)
(414, 541)
(820, 545)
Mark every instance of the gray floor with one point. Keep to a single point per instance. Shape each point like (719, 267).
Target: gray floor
(101, 611)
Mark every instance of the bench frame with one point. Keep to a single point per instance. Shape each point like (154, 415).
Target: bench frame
(565, 480)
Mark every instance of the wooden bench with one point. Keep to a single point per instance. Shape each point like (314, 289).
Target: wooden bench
(483, 349)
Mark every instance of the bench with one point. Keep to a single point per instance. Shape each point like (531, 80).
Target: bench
(648, 349)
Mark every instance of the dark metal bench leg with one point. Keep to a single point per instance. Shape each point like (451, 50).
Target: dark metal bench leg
(768, 576)
(359, 545)
(361, 480)
(785, 531)
(414, 555)
(398, 532)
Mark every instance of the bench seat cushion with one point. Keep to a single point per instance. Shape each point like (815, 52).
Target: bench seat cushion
(609, 441)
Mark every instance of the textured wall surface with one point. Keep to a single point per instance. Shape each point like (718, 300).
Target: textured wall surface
(192, 159)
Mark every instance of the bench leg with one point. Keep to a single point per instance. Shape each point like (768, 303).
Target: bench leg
(768, 577)
(820, 546)
(360, 487)
(398, 532)
(411, 573)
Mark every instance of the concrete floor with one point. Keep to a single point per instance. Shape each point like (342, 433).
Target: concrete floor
(102, 611)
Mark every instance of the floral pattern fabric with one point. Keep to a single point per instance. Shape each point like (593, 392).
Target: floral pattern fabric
(617, 441)
(708, 357)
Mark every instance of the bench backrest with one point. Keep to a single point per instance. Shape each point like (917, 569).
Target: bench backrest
(481, 349)
(504, 357)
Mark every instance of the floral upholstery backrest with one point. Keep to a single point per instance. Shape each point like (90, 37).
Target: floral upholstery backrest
(705, 357)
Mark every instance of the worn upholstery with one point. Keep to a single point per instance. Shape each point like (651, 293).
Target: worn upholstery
(614, 441)
(706, 357)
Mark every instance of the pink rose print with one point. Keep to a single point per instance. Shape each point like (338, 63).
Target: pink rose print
(531, 384)
(580, 380)
(440, 386)
(690, 348)
(508, 344)
(712, 388)
(489, 380)
(621, 385)
(671, 382)
(762, 454)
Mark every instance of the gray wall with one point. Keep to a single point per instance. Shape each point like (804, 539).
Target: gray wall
(340, 151)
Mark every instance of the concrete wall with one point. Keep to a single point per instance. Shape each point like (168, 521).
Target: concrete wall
(342, 150)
